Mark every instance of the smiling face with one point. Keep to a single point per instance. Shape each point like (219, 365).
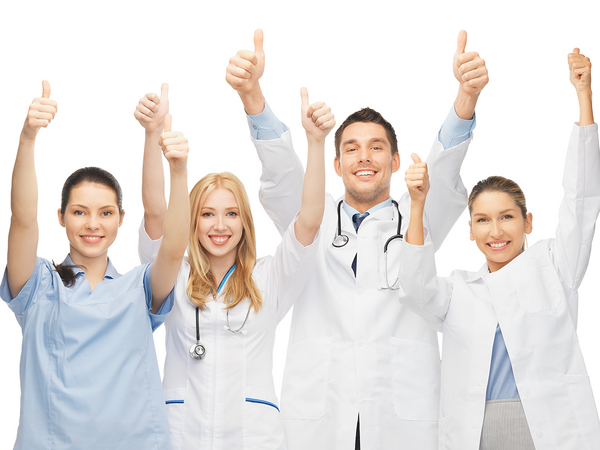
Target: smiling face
(219, 227)
(91, 219)
(498, 228)
(366, 164)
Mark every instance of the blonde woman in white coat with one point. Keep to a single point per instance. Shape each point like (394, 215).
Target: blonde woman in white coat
(218, 381)
(513, 375)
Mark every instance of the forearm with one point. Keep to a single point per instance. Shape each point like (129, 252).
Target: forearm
(153, 185)
(177, 217)
(253, 100)
(23, 232)
(586, 113)
(313, 193)
(414, 233)
(464, 105)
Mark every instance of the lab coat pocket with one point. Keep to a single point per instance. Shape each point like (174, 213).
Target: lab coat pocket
(262, 422)
(175, 403)
(304, 387)
(415, 379)
(584, 408)
(537, 285)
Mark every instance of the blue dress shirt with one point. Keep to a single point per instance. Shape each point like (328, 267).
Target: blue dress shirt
(89, 373)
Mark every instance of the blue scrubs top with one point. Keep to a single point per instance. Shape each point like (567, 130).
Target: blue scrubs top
(89, 373)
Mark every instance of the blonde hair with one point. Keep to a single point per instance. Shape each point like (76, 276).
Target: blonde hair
(201, 283)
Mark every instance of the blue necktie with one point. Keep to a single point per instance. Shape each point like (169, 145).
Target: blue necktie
(357, 219)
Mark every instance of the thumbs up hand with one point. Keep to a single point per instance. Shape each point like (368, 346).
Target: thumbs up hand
(174, 146)
(152, 109)
(41, 112)
(469, 68)
(246, 67)
(417, 179)
(317, 119)
(580, 69)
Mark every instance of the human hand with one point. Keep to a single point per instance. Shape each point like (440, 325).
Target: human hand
(317, 119)
(174, 146)
(152, 109)
(41, 112)
(580, 68)
(469, 68)
(417, 179)
(246, 67)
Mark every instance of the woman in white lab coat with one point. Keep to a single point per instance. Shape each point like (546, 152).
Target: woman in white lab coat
(513, 375)
(218, 381)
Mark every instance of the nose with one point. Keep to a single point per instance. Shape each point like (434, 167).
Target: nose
(364, 154)
(220, 223)
(496, 230)
(92, 223)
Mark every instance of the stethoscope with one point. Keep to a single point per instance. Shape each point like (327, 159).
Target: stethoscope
(340, 240)
(197, 350)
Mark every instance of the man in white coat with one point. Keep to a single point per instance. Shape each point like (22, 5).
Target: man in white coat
(362, 371)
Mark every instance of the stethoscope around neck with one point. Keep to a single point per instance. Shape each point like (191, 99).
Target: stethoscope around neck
(197, 350)
(340, 240)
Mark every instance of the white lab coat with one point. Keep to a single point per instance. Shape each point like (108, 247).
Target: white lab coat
(353, 349)
(534, 299)
(227, 400)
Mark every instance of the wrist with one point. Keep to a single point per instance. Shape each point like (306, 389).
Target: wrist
(253, 100)
(465, 103)
(27, 135)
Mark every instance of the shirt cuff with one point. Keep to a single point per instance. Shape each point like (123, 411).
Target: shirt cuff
(266, 126)
(455, 130)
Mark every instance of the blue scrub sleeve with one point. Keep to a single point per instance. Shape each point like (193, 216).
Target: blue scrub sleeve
(40, 283)
(157, 319)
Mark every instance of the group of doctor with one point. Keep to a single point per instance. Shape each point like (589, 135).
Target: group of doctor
(363, 367)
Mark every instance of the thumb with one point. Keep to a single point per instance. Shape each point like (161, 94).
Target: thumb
(576, 50)
(164, 91)
(168, 121)
(415, 158)
(45, 89)
(462, 42)
(304, 97)
(258, 41)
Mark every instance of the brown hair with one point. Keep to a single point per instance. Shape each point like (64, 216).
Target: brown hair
(201, 284)
(499, 184)
(366, 115)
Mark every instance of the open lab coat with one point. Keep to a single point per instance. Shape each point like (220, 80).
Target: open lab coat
(353, 348)
(534, 299)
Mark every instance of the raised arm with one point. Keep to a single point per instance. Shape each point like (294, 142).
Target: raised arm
(448, 196)
(282, 172)
(23, 232)
(150, 112)
(417, 182)
(166, 266)
(581, 181)
(317, 120)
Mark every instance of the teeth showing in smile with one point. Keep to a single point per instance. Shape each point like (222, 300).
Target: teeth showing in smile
(363, 173)
(499, 245)
(92, 238)
(219, 239)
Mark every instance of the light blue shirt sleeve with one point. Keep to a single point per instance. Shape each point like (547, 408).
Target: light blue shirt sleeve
(266, 126)
(455, 130)
(157, 319)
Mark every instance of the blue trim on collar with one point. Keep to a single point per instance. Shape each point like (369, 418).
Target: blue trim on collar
(225, 278)
(263, 402)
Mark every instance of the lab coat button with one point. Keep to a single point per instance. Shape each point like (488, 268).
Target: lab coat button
(353, 400)
(502, 311)
(539, 433)
(516, 352)
(526, 392)
(359, 292)
(359, 343)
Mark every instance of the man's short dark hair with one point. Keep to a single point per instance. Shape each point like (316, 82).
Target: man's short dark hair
(366, 115)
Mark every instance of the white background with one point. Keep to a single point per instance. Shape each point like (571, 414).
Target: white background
(101, 57)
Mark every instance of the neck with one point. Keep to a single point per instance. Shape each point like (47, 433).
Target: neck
(220, 266)
(94, 268)
(363, 207)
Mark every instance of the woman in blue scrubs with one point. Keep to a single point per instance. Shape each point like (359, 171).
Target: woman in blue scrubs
(89, 375)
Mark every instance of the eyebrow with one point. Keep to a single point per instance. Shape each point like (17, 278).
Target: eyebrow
(354, 141)
(86, 207)
(501, 212)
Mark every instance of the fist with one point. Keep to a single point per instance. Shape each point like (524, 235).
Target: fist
(417, 179)
(152, 109)
(580, 68)
(317, 119)
(41, 112)
(246, 67)
(174, 146)
(469, 68)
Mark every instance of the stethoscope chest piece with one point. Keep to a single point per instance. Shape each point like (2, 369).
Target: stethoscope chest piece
(340, 240)
(197, 351)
